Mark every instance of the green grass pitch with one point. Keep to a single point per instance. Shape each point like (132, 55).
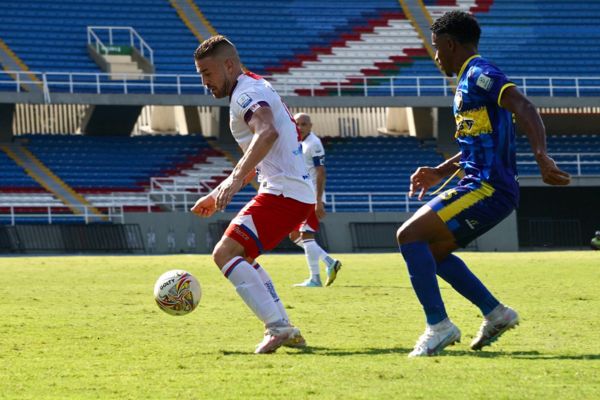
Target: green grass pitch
(87, 327)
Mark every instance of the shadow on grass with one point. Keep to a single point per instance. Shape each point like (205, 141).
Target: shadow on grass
(524, 355)
(324, 351)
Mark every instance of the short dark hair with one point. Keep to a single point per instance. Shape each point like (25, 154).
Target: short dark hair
(211, 46)
(462, 26)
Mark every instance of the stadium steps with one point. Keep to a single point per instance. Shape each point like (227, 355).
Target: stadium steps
(52, 183)
(194, 19)
(11, 62)
(378, 48)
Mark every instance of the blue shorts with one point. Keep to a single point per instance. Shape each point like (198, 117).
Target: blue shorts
(471, 210)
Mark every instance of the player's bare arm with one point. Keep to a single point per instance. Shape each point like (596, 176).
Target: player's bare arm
(265, 135)
(530, 121)
(321, 178)
(207, 205)
(426, 177)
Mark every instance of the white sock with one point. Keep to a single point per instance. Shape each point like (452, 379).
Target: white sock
(323, 256)
(268, 282)
(251, 289)
(312, 251)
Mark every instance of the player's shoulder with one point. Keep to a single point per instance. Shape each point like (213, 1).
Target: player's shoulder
(313, 139)
(247, 91)
(314, 143)
(481, 66)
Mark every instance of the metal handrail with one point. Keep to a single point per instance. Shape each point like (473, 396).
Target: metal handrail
(144, 47)
(50, 216)
(577, 160)
(74, 81)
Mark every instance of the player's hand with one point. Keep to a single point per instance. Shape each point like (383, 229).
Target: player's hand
(320, 210)
(205, 206)
(227, 189)
(422, 180)
(551, 174)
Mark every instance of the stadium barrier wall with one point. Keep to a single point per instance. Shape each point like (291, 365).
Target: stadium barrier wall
(179, 232)
(76, 238)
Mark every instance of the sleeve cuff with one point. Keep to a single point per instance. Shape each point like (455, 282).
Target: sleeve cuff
(506, 86)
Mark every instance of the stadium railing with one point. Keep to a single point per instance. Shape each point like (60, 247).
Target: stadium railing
(564, 160)
(100, 83)
(336, 201)
(52, 214)
(135, 40)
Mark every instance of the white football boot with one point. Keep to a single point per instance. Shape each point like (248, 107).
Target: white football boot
(497, 322)
(275, 337)
(435, 339)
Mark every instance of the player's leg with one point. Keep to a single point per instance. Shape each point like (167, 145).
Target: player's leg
(486, 208)
(229, 255)
(260, 227)
(314, 253)
(311, 252)
(414, 238)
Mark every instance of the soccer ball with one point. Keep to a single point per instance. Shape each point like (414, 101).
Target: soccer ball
(177, 292)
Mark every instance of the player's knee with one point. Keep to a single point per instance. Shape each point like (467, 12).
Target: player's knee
(307, 235)
(221, 255)
(294, 236)
(402, 235)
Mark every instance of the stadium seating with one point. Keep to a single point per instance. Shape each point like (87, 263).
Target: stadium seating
(576, 154)
(15, 179)
(363, 173)
(315, 41)
(51, 36)
(111, 171)
(376, 165)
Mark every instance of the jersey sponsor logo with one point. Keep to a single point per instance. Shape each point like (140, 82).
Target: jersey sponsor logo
(244, 100)
(458, 100)
(473, 122)
(485, 82)
(448, 194)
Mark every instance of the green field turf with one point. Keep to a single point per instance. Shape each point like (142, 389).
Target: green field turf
(87, 327)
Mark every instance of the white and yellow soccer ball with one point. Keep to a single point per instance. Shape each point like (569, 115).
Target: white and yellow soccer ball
(177, 292)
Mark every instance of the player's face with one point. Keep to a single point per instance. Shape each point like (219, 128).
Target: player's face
(213, 76)
(304, 125)
(442, 47)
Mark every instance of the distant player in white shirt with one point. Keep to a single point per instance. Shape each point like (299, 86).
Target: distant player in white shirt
(304, 235)
(266, 131)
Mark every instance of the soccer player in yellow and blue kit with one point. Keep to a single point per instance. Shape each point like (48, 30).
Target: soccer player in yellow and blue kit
(484, 105)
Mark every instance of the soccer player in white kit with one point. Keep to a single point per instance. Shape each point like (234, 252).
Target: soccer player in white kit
(266, 131)
(304, 235)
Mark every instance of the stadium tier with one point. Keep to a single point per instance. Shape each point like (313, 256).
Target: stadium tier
(313, 47)
(52, 35)
(15, 178)
(113, 171)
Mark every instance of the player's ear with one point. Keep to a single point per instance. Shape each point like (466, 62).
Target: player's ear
(451, 43)
(228, 63)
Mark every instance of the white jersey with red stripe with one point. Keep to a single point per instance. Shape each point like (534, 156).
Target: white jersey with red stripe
(282, 171)
(314, 156)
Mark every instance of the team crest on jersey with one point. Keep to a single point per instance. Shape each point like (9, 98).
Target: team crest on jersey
(244, 100)
(458, 101)
(485, 82)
